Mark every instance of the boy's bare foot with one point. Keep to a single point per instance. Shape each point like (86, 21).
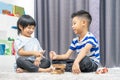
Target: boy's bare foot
(20, 70)
(102, 71)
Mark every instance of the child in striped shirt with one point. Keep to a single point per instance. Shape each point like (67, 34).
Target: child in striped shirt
(85, 45)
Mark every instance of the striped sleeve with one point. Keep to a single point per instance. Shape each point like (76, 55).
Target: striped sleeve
(72, 45)
(92, 41)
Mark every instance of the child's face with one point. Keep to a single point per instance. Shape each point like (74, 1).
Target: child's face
(77, 25)
(27, 31)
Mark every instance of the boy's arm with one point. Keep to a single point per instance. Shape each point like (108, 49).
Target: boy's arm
(81, 55)
(54, 56)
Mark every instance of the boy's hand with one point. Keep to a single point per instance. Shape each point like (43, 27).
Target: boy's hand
(75, 68)
(53, 55)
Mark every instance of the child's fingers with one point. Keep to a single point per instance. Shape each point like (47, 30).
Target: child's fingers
(42, 51)
(42, 56)
(52, 54)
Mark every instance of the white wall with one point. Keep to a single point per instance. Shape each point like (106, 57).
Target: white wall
(5, 26)
(27, 4)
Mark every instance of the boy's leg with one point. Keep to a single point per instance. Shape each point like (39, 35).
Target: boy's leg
(69, 64)
(25, 64)
(45, 63)
(59, 62)
(87, 65)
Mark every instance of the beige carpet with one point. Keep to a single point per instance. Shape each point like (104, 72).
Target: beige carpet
(7, 73)
(113, 74)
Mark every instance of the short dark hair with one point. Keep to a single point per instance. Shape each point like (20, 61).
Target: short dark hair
(83, 13)
(24, 21)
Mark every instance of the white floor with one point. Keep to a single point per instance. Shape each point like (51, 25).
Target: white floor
(7, 73)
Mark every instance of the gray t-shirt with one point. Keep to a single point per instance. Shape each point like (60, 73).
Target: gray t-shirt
(28, 44)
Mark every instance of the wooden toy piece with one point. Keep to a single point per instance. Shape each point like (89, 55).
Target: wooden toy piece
(58, 68)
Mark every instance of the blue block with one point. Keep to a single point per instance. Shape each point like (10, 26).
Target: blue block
(2, 49)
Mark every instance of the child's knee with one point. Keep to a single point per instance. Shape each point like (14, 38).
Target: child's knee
(45, 63)
(19, 60)
(48, 63)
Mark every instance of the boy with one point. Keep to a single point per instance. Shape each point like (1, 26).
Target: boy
(85, 45)
(29, 53)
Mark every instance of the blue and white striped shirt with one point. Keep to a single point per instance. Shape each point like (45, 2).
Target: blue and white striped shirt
(77, 45)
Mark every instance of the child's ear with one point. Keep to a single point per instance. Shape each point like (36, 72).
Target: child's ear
(20, 27)
(84, 22)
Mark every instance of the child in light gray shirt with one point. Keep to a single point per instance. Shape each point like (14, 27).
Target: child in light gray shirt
(29, 54)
